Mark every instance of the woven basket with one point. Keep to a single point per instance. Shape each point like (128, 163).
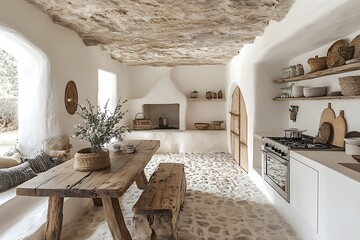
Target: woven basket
(142, 123)
(202, 126)
(86, 161)
(317, 63)
(350, 85)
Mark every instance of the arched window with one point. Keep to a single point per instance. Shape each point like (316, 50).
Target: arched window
(8, 100)
(37, 117)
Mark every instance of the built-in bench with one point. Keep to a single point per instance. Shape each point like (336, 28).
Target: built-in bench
(157, 210)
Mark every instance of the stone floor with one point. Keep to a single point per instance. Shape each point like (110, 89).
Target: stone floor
(221, 203)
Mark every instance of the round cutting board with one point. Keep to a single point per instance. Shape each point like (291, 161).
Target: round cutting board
(340, 128)
(356, 43)
(327, 115)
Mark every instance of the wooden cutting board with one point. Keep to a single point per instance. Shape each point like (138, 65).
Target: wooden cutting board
(327, 115)
(340, 128)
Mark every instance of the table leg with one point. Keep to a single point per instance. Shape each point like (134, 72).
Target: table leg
(97, 202)
(115, 219)
(141, 181)
(54, 218)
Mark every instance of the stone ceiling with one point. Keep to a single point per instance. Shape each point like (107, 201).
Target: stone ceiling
(166, 32)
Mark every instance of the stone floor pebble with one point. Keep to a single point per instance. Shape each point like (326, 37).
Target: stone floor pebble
(221, 203)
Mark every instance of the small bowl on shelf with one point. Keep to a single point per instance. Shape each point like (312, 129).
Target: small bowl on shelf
(202, 126)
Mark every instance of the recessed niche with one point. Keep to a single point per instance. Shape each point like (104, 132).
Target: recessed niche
(169, 112)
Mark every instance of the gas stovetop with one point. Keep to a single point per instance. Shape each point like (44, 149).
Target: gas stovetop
(281, 146)
(305, 143)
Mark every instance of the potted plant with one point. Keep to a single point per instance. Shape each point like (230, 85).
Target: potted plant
(98, 128)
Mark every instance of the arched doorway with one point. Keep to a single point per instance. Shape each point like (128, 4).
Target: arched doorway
(239, 129)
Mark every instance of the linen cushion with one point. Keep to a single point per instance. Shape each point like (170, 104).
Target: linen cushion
(6, 162)
(16, 175)
(40, 162)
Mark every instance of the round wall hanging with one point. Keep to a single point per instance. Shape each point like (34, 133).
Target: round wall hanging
(71, 97)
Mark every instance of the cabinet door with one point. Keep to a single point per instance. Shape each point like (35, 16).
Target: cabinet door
(304, 183)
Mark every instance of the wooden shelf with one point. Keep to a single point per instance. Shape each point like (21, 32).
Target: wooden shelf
(317, 98)
(327, 72)
(206, 100)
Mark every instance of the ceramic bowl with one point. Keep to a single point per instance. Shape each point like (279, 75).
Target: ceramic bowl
(202, 126)
(352, 146)
(314, 91)
(297, 91)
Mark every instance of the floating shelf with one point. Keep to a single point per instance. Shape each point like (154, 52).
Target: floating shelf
(206, 100)
(327, 72)
(317, 98)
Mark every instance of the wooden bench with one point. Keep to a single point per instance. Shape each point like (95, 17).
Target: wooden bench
(157, 210)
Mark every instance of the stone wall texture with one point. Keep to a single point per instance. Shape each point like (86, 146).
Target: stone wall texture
(166, 33)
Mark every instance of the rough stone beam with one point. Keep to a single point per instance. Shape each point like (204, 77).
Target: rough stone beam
(166, 33)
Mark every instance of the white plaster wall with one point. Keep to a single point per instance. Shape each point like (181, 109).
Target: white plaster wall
(315, 108)
(68, 59)
(185, 79)
(309, 25)
(54, 56)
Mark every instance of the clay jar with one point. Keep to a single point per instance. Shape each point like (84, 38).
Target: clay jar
(208, 95)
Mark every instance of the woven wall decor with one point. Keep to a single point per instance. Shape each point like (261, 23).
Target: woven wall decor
(71, 97)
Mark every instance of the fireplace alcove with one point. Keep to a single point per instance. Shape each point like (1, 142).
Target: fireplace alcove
(172, 103)
(170, 112)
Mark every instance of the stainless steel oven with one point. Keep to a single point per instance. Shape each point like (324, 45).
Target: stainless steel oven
(276, 173)
(276, 159)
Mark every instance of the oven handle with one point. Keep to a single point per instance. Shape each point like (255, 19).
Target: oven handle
(278, 158)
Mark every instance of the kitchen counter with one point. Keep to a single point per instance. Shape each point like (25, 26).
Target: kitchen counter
(324, 195)
(329, 159)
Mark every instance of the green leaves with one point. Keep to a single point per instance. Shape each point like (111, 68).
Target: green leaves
(8, 75)
(99, 127)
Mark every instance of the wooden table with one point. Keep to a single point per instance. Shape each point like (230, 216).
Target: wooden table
(104, 187)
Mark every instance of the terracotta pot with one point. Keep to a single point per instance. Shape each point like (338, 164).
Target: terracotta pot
(85, 160)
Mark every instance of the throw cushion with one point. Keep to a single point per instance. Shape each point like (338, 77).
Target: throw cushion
(13, 176)
(6, 162)
(40, 162)
(12, 151)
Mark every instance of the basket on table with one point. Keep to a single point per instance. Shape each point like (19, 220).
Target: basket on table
(350, 85)
(141, 122)
(317, 63)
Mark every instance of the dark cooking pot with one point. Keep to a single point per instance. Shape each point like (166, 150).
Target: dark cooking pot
(293, 133)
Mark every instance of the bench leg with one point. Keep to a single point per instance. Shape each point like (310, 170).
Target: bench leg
(141, 181)
(54, 218)
(115, 219)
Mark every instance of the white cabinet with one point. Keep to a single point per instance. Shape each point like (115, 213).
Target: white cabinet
(304, 191)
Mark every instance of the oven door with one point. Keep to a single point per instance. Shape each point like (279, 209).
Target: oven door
(276, 173)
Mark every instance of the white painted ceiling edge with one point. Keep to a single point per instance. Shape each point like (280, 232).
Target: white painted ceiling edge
(308, 25)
